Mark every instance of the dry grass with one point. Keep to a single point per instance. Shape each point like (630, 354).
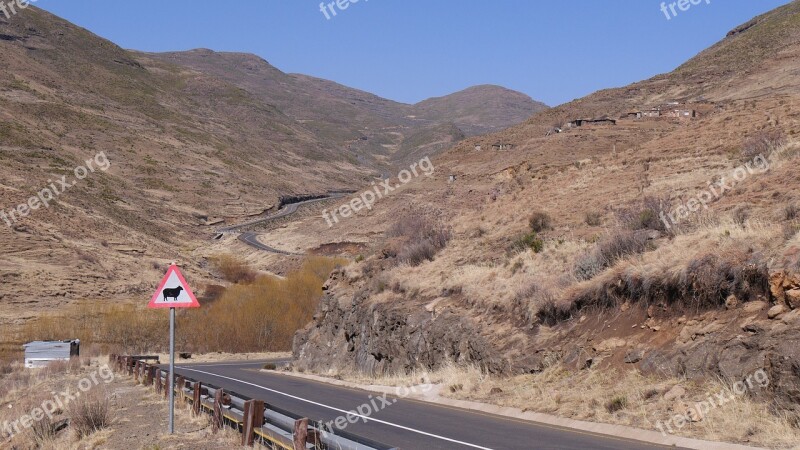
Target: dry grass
(608, 396)
(89, 414)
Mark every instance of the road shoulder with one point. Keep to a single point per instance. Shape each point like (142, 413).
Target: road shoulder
(619, 431)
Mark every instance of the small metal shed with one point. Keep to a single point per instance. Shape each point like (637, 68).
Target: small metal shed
(42, 353)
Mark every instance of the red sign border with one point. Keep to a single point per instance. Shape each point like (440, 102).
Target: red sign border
(154, 301)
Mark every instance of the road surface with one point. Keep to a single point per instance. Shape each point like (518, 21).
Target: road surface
(251, 239)
(404, 423)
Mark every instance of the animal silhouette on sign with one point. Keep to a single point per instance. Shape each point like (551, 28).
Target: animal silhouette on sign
(172, 293)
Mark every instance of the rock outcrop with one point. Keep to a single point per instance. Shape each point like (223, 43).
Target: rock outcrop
(350, 332)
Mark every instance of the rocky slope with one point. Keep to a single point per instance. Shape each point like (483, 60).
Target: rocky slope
(607, 283)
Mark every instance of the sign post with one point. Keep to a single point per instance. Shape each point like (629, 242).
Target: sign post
(172, 371)
(173, 292)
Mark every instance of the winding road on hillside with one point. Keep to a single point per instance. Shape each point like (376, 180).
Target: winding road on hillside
(403, 423)
(286, 210)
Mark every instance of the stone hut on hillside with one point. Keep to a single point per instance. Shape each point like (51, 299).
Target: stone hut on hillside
(600, 121)
(502, 146)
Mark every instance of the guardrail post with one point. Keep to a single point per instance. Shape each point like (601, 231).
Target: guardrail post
(129, 364)
(216, 424)
(247, 426)
(198, 389)
(253, 417)
(136, 372)
(157, 379)
(300, 433)
(179, 385)
(149, 379)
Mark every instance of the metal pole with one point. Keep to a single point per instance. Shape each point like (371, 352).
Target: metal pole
(172, 371)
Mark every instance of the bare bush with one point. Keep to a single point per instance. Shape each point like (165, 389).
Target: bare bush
(212, 293)
(420, 236)
(762, 143)
(608, 251)
(89, 414)
(790, 212)
(56, 368)
(704, 283)
(594, 218)
(740, 216)
(540, 221)
(647, 215)
(616, 404)
(6, 367)
(43, 431)
(234, 270)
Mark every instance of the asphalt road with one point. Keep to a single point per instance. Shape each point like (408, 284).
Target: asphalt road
(251, 239)
(403, 423)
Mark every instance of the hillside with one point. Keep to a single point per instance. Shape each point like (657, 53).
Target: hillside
(374, 130)
(580, 247)
(185, 151)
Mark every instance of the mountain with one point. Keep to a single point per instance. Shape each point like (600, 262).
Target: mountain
(480, 109)
(193, 140)
(374, 129)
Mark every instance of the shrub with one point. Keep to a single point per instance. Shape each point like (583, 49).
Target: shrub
(43, 430)
(594, 218)
(608, 251)
(705, 282)
(616, 404)
(255, 317)
(790, 212)
(646, 215)
(417, 253)
(270, 366)
(540, 221)
(89, 414)
(530, 241)
(212, 293)
(420, 237)
(740, 216)
(234, 270)
(762, 143)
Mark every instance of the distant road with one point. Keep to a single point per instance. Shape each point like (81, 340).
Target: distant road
(404, 423)
(251, 238)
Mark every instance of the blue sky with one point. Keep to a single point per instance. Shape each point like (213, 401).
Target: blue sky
(409, 50)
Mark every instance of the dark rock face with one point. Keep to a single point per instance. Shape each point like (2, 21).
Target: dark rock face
(388, 338)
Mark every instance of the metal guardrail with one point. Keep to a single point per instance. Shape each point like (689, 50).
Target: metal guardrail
(258, 421)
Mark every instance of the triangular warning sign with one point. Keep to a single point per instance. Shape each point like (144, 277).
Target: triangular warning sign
(173, 292)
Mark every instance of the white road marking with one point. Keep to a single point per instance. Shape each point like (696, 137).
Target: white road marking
(349, 413)
(215, 364)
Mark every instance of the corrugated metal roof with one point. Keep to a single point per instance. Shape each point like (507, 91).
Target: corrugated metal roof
(51, 349)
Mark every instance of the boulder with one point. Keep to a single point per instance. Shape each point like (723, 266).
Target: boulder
(634, 356)
(609, 345)
(675, 393)
(776, 288)
(752, 307)
(793, 298)
(776, 311)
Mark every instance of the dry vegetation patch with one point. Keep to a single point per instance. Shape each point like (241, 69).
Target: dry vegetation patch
(257, 315)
